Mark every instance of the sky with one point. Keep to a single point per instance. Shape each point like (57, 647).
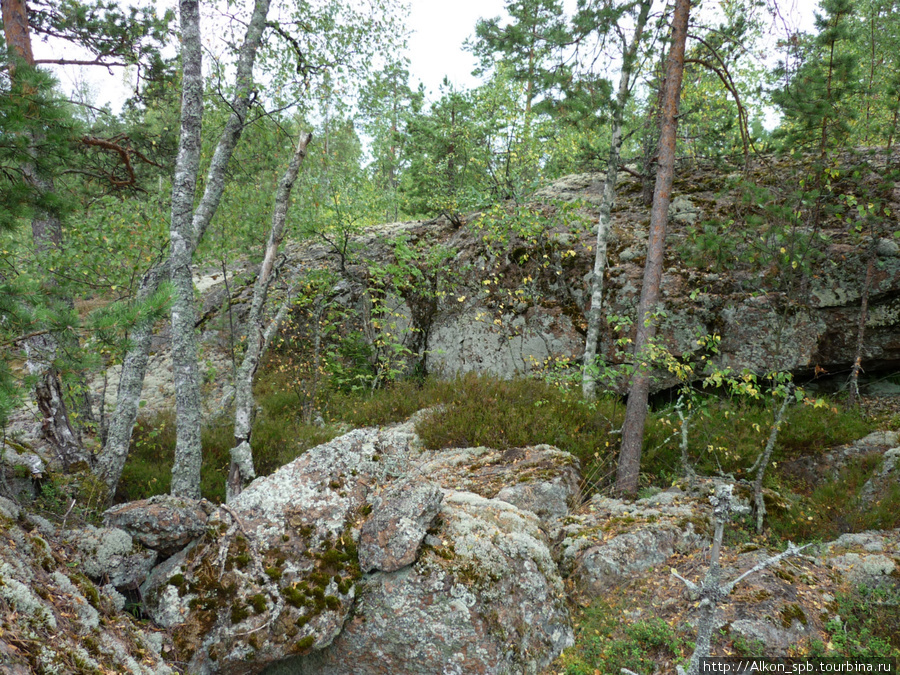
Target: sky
(435, 50)
(439, 29)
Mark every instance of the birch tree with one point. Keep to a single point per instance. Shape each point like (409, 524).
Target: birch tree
(636, 410)
(134, 366)
(186, 471)
(260, 335)
(604, 219)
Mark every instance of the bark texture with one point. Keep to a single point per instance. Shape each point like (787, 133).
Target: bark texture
(134, 366)
(258, 334)
(46, 232)
(604, 220)
(853, 385)
(636, 410)
(186, 471)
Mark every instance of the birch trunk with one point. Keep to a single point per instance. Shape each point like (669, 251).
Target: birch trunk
(853, 386)
(636, 410)
(595, 313)
(186, 471)
(134, 366)
(258, 336)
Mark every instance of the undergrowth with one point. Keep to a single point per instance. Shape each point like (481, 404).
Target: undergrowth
(606, 642)
(726, 435)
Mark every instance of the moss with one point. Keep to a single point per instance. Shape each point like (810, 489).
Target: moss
(791, 613)
(302, 620)
(294, 597)
(304, 644)
(176, 580)
(784, 574)
(332, 602)
(258, 602)
(239, 613)
(273, 573)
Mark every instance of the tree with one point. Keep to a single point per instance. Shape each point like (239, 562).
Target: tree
(101, 28)
(388, 103)
(528, 45)
(134, 366)
(260, 335)
(595, 312)
(636, 410)
(315, 45)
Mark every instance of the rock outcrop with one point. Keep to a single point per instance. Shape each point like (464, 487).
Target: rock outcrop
(57, 620)
(347, 555)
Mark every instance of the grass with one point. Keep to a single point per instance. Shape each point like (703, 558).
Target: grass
(605, 643)
(835, 507)
(725, 436)
(866, 625)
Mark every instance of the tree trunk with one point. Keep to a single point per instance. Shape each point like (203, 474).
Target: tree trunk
(186, 471)
(636, 410)
(595, 313)
(853, 386)
(134, 366)
(46, 232)
(258, 337)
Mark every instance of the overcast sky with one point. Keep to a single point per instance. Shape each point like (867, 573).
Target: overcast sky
(439, 29)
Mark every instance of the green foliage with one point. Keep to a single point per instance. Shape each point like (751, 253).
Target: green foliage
(816, 99)
(835, 507)
(482, 410)
(604, 643)
(866, 625)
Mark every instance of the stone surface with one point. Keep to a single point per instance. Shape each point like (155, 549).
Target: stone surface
(109, 554)
(540, 478)
(391, 536)
(163, 523)
(486, 599)
(278, 574)
(55, 620)
(609, 542)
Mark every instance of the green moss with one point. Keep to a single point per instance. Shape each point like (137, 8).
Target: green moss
(239, 613)
(258, 602)
(274, 573)
(304, 644)
(176, 580)
(294, 597)
(791, 613)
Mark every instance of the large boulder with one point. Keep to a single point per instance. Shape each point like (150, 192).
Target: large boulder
(484, 597)
(457, 582)
(610, 542)
(111, 555)
(164, 523)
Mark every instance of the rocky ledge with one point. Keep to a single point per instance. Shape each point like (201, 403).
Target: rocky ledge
(373, 551)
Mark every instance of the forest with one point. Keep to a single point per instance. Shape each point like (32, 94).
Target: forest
(122, 204)
(282, 152)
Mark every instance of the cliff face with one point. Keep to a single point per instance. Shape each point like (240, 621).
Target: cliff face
(782, 293)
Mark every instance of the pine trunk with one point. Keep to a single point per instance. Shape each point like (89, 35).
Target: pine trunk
(636, 410)
(46, 232)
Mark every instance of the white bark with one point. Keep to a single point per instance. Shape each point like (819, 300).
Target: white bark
(186, 471)
(134, 366)
(763, 460)
(258, 335)
(711, 590)
(604, 220)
